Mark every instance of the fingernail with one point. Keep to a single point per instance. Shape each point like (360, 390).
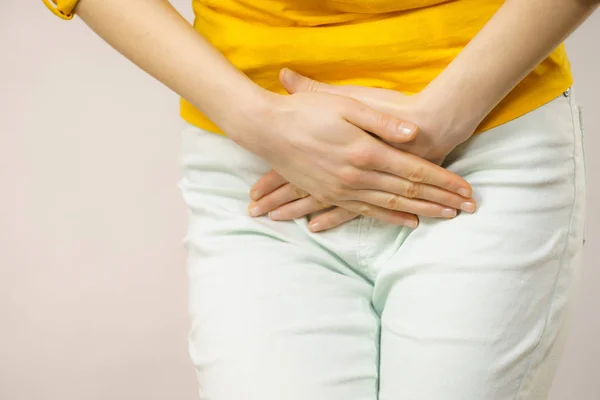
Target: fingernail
(464, 192)
(255, 211)
(287, 75)
(255, 194)
(406, 129)
(275, 215)
(411, 223)
(314, 226)
(467, 206)
(448, 213)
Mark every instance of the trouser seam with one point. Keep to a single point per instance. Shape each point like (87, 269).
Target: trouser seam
(561, 264)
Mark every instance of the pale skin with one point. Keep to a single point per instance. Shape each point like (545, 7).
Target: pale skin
(519, 36)
(317, 141)
(325, 151)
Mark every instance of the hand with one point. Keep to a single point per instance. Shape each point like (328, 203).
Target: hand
(282, 201)
(317, 142)
(272, 194)
(439, 131)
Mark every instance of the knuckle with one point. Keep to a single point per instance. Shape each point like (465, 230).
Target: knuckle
(362, 156)
(448, 199)
(312, 85)
(392, 202)
(385, 122)
(417, 174)
(350, 177)
(298, 193)
(451, 181)
(364, 209)
(412, 190)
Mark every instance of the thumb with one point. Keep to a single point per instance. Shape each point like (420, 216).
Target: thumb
(388, 127)
(381, 99)
(293, 82)
(359, 112)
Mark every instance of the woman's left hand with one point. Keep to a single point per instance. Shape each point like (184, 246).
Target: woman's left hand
(439, 133)
(282, 201)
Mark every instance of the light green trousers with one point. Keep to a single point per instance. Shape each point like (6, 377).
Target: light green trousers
(472, 308)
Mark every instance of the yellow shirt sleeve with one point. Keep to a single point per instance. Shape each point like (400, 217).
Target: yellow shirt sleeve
(64, 9)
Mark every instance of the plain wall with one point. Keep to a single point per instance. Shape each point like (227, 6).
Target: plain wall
(92, 268)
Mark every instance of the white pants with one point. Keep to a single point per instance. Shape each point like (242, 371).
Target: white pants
(472, 308)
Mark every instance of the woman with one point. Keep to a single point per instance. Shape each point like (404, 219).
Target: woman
(394, 107)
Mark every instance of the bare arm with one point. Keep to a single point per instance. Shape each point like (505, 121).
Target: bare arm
(519, 36)
(153, 35)
(317, 141)
(512, 43)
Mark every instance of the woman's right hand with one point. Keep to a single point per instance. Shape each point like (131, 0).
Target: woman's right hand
(315, 140)
(318, 142)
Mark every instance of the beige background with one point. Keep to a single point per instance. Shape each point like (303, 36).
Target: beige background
(92, 278)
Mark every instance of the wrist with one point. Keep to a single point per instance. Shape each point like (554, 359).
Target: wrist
(456, 112)
(236, 107)
(244, 117)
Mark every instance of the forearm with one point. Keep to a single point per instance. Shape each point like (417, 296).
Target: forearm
(153, 35)
(511, 44)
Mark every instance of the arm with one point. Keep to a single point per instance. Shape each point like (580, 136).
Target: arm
(512, 43)
(317, 141)
(519, 36)
(153, 35)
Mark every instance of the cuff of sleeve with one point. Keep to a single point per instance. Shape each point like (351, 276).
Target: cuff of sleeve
(64, 9)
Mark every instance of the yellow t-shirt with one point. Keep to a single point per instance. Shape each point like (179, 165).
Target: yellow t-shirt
(395, 44)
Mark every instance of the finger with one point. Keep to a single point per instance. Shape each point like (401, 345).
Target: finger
(378, 98)
(331, 219)
(386, 126)
(393, 201)
(297, 209)
(415, 169)
(279, 197)
(415, 190)
(380, 213)
(266, 184)
(293, 82)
